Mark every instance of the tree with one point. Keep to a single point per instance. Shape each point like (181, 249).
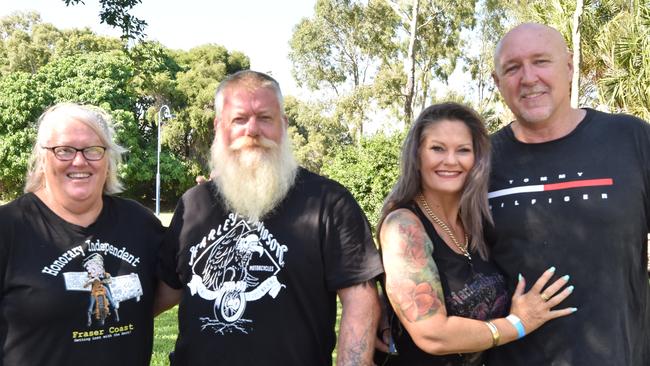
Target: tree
(625, 49)
(313, 135)
(613, 68)
(431, 47)
(27, 42)
(575, 41)
(131, 84)
(21, 102)
(190, 134)
(341, 48)
(409, 64)
(368, 170)
(75, 41)
(378, 54)
(116, 14)
(493, 17)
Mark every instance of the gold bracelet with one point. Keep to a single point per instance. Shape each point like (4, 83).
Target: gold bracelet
(495, 333)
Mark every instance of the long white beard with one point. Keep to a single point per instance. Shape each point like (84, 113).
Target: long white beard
(253, 175)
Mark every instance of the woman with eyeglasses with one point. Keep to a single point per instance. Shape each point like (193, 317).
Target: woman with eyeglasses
(77, 264)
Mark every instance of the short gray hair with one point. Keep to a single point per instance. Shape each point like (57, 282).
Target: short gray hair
(95, 118)
(248, 78)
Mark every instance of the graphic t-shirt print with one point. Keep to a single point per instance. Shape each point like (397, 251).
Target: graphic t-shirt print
(105, 292)
(234, 264)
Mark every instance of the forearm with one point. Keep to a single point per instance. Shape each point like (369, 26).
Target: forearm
(460, 335)
(165, 298)
(358, 327)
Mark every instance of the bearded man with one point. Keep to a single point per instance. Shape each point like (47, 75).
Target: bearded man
(257, 255)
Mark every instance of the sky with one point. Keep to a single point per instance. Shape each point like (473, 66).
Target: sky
(261, 29)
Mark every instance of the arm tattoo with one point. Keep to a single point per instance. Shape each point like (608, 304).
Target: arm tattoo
(413, 283)
(358, 324)
(354, 354)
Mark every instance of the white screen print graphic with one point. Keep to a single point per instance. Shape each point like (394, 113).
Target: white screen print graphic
(235, 264)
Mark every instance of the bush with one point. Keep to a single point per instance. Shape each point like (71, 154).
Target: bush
(369, 170)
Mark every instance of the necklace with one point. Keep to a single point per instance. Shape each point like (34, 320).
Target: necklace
(445, 227)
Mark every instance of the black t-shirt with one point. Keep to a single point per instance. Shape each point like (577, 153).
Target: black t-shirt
(264, 293)
(46, 289)
(579, 203)
(476, 292)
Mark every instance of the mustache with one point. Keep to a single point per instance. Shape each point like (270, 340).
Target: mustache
(247, 141)
(532, 90)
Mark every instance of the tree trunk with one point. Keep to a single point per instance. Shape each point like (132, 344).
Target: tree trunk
(409, 64)
(575, 38)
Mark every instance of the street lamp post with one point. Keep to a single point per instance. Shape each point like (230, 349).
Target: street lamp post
(163, 114)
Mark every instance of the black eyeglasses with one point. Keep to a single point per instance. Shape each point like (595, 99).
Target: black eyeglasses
(67, 153)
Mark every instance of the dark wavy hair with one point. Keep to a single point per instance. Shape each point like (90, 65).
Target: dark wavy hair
(474, 209)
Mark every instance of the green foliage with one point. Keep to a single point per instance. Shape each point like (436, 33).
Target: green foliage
(313, 134)
(340, 49)
(368, 170)
(21, 102)
(93, 78)
(14, 154)
(116, 14)
(625, 50)
(26, 42)
(191, 133)
(45, 65)
(165, 332)
(478, 55)
(614, 48)
(341, 41)
(357, 51)
(77, 41)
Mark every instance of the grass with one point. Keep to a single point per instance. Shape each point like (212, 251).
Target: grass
(165, 332)
(165, 325)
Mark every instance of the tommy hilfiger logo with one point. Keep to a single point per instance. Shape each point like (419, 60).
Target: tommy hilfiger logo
(519, 191)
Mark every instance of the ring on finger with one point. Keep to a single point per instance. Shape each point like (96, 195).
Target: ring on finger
(544, 296)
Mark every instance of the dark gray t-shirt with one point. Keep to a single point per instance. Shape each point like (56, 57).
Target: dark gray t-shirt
(580, 203)
(46, 290)
(264, 293)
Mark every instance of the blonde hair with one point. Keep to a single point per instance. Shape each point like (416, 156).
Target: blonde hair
(96, 119)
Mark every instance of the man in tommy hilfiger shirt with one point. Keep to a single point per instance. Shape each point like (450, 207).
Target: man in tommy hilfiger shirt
(571, 188)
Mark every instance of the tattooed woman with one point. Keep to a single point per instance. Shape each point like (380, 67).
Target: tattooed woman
(449, 298)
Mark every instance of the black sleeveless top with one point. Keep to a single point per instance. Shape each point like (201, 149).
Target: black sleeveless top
(476, 291)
